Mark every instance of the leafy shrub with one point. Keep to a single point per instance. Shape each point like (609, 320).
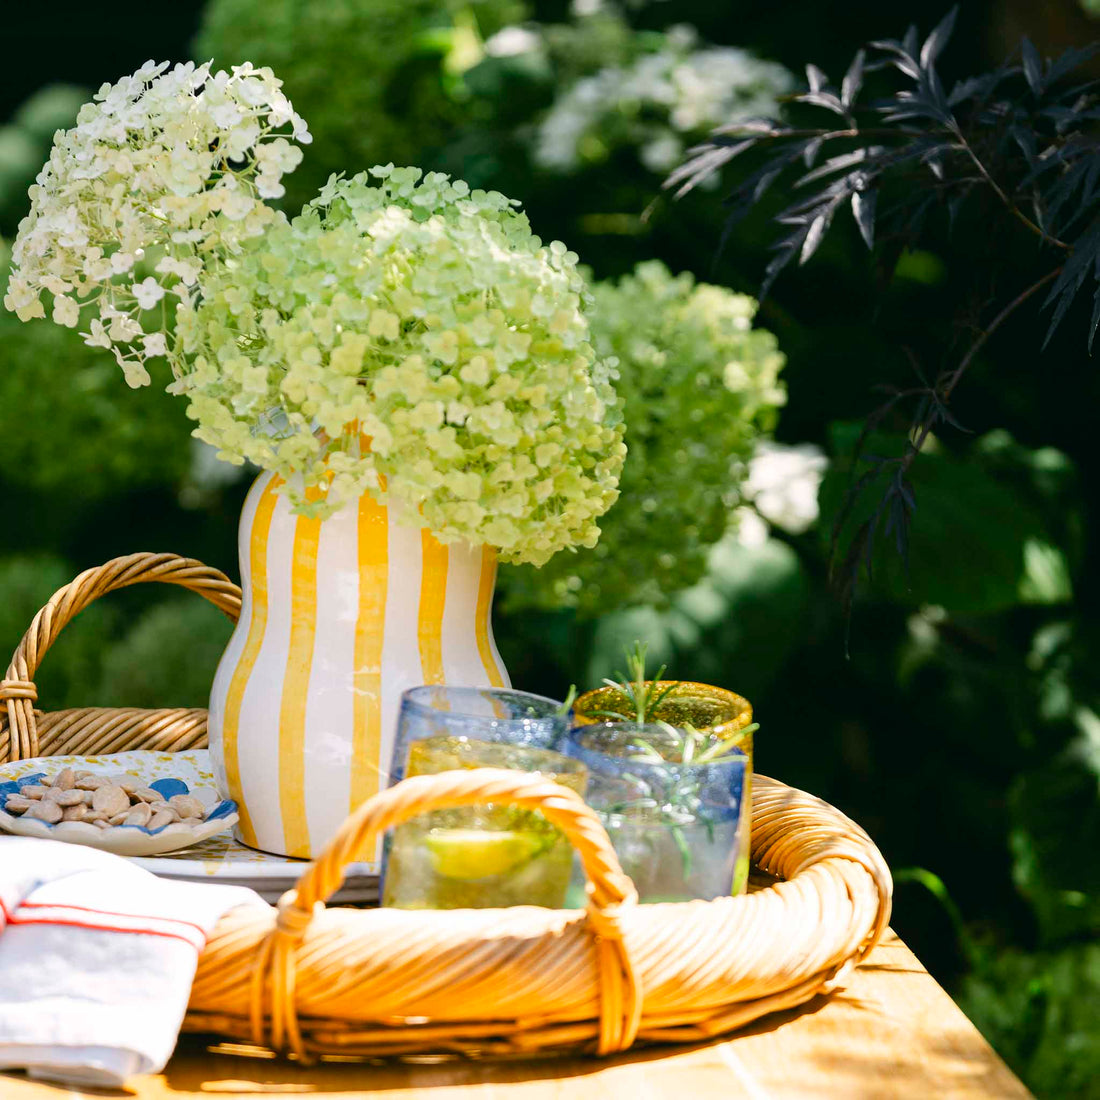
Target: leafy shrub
(370, 76)
(166, 658)
(70, 427)
(1040, 1011)
(70, 670)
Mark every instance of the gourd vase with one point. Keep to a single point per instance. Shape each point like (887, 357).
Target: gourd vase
(339, 616)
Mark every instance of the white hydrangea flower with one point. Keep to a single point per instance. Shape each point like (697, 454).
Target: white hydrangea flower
(512, 42)
(676, 92)
(167, 167)
(147, 293)
(783, 483)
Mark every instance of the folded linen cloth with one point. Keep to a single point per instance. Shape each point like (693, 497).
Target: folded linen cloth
(97, 957)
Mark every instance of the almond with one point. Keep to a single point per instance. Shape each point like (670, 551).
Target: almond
(45, 809)
(64, 779)
(92, 782)
(33, 790)
(187, 805)
(75, 813)
(159, 820)
(111, 801)
(66, 796)
(139, 815)
(147, 794)
(16, 803)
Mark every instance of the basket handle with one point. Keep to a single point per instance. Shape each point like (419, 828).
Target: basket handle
(17, 690)
(611, 894)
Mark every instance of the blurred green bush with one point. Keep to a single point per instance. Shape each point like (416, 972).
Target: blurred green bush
(963, 728)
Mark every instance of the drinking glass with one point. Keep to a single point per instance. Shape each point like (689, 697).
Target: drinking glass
(488, 856)
(673, 815)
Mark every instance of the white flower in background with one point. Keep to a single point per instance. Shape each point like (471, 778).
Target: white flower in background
(662, 153)
(512, 42)
(167, 168)
(751, 530)
(783, 483)
(658, 103)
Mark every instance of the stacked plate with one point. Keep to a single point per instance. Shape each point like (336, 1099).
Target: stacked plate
(221, 858)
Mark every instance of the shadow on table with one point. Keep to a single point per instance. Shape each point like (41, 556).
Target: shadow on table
(211, 1067)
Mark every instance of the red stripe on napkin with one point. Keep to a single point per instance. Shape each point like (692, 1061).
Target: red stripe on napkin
(105, 928)
(109, 913)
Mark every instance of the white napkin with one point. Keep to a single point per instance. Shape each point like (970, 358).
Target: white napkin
(97, 957)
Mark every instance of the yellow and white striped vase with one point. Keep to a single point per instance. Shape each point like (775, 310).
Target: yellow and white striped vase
(339, 617)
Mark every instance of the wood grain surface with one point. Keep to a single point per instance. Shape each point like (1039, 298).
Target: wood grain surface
(894, 1034)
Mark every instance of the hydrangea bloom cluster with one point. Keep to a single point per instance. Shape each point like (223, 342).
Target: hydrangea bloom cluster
(428, 318)
(700, 387)
(163, 171)
(658, 103)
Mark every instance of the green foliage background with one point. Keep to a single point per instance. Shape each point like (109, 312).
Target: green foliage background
(959, 723)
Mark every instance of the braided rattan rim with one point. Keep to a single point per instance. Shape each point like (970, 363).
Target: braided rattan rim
(380, 982)
(26, 732)
(347, 982)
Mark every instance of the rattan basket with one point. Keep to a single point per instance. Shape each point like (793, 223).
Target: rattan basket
(312, 981)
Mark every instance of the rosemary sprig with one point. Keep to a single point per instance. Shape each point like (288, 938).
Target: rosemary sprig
(568, 701)
(683, 801)
(643, 695)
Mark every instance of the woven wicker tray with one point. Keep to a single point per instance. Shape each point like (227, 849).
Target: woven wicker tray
(312, 981)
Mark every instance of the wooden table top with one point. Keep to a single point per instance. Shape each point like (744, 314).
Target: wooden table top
(893, 1034)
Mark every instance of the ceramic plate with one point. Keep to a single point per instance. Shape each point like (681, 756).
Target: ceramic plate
(219, 858)
(124, 840)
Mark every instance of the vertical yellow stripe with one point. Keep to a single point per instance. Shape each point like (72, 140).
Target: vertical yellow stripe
(485, 588)
(433, 597)
(369, 630)
(299, 661)
(257, 558)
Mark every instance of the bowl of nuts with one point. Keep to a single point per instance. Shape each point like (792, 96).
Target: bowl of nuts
(120, 813)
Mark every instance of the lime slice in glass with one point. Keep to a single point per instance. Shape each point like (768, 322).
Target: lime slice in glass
(478, 853)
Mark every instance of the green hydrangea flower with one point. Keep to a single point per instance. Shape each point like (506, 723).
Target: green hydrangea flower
(700, 387)
(430, 319)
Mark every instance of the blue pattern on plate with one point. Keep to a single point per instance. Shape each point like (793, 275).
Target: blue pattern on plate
(164, 787)
(11, 786)
(169, 787)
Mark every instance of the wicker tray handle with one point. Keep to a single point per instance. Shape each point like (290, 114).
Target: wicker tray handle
(610, 892)
(25, 732)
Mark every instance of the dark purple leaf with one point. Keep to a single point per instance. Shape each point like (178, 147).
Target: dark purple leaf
(816, 78)
(853, 81)
(1069, 61)
(935, 42)
(1033, 66)
(813, 237)
(863, 209)
(822, 99)
(909, 42)
(835, 164)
